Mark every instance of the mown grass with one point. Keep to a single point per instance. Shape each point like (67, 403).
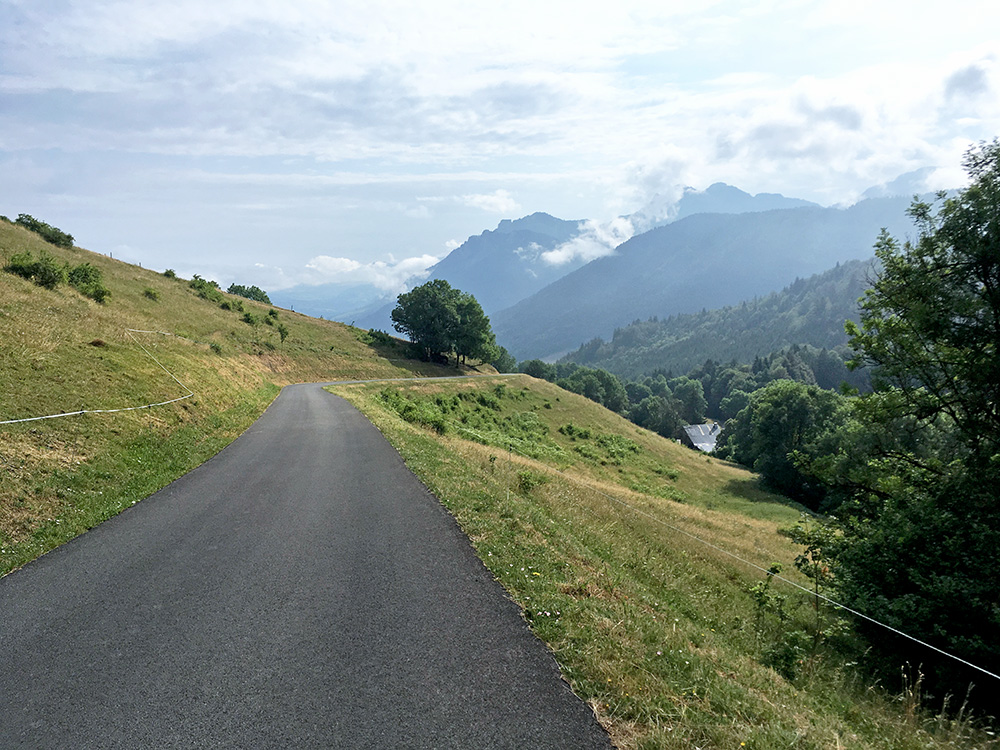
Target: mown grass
(580, 515)
(63, 352)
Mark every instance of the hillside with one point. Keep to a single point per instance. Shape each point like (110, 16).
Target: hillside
(673, 642)
(624, 551)
(810, 311)
(63, 352)
(705, 261)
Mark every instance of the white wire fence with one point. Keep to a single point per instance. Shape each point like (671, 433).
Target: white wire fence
(128, 332)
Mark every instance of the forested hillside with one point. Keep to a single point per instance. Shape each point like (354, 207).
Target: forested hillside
(807, 312)
(702, 262)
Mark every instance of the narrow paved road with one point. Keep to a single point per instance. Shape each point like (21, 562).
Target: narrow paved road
(301, 589)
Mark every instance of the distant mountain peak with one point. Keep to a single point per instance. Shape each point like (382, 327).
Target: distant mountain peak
(717, 198)
(538, 222)
(906, 185)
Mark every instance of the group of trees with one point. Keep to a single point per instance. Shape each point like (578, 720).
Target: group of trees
(49, 233)
(441, 321)
(905, 456)
(254, 293)
(664, 403)
(912, 468)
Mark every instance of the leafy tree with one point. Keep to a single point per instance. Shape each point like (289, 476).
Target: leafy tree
(473, 338)
(49, 233)
(504, 361)
(657, 413)
(538, 369)
(441, 320)
(690, 395)
(785, 425)
(923, 466)
(249, 292)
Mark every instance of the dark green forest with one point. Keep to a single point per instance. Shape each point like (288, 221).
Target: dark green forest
(810, 311)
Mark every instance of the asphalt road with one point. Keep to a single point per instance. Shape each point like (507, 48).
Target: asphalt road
(301, 589)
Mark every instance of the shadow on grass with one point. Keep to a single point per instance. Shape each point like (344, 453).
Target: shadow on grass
(755, 491)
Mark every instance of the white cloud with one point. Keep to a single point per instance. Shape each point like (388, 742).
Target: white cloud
(590, 112)
(497, 202)
(388, 276)
(596, 239)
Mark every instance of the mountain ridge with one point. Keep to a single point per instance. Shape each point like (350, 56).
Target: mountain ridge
(700, 262)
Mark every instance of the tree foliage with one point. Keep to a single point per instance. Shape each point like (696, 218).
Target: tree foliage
(49, 233)
(441, 320)
(922, 460)
(249, 292)
(785, 427)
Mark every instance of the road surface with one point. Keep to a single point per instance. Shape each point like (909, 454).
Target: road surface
(301, 589)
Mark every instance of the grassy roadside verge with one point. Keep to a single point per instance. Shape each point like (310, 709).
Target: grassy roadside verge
(61, 351)
(671, 643)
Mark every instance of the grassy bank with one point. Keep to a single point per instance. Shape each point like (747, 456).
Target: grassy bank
(590, 522)
(61, 351)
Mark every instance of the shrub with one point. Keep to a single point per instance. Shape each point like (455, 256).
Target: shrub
(380, 337)
(88, 280)
(250, 319)
(206, 289)
(44, 270)
(528, 480)
(572, 431)
(151, 294)
(215, 347)
(250, 292)
(170, 273)
(48, 232)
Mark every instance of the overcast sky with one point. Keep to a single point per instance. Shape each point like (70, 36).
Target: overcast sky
(306, 141)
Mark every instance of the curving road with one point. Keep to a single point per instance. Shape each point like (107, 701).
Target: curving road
(301, 589)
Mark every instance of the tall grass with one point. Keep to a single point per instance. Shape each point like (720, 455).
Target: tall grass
(669, 640)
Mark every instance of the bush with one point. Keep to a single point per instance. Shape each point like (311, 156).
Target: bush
(170, 273)
(206, 289)
(48, 232)
(88, 280)
(250, 292)
(44, 270)
(151, 294)
(250, 319)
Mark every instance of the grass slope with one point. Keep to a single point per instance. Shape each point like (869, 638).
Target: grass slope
(63, 352)
(581, 516)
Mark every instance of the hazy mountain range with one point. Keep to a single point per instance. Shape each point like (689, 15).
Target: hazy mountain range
(704, 261)
(498, 267)
(505, 265)
(707, 250)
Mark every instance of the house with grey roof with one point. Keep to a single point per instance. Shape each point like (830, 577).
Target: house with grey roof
(701, 436)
